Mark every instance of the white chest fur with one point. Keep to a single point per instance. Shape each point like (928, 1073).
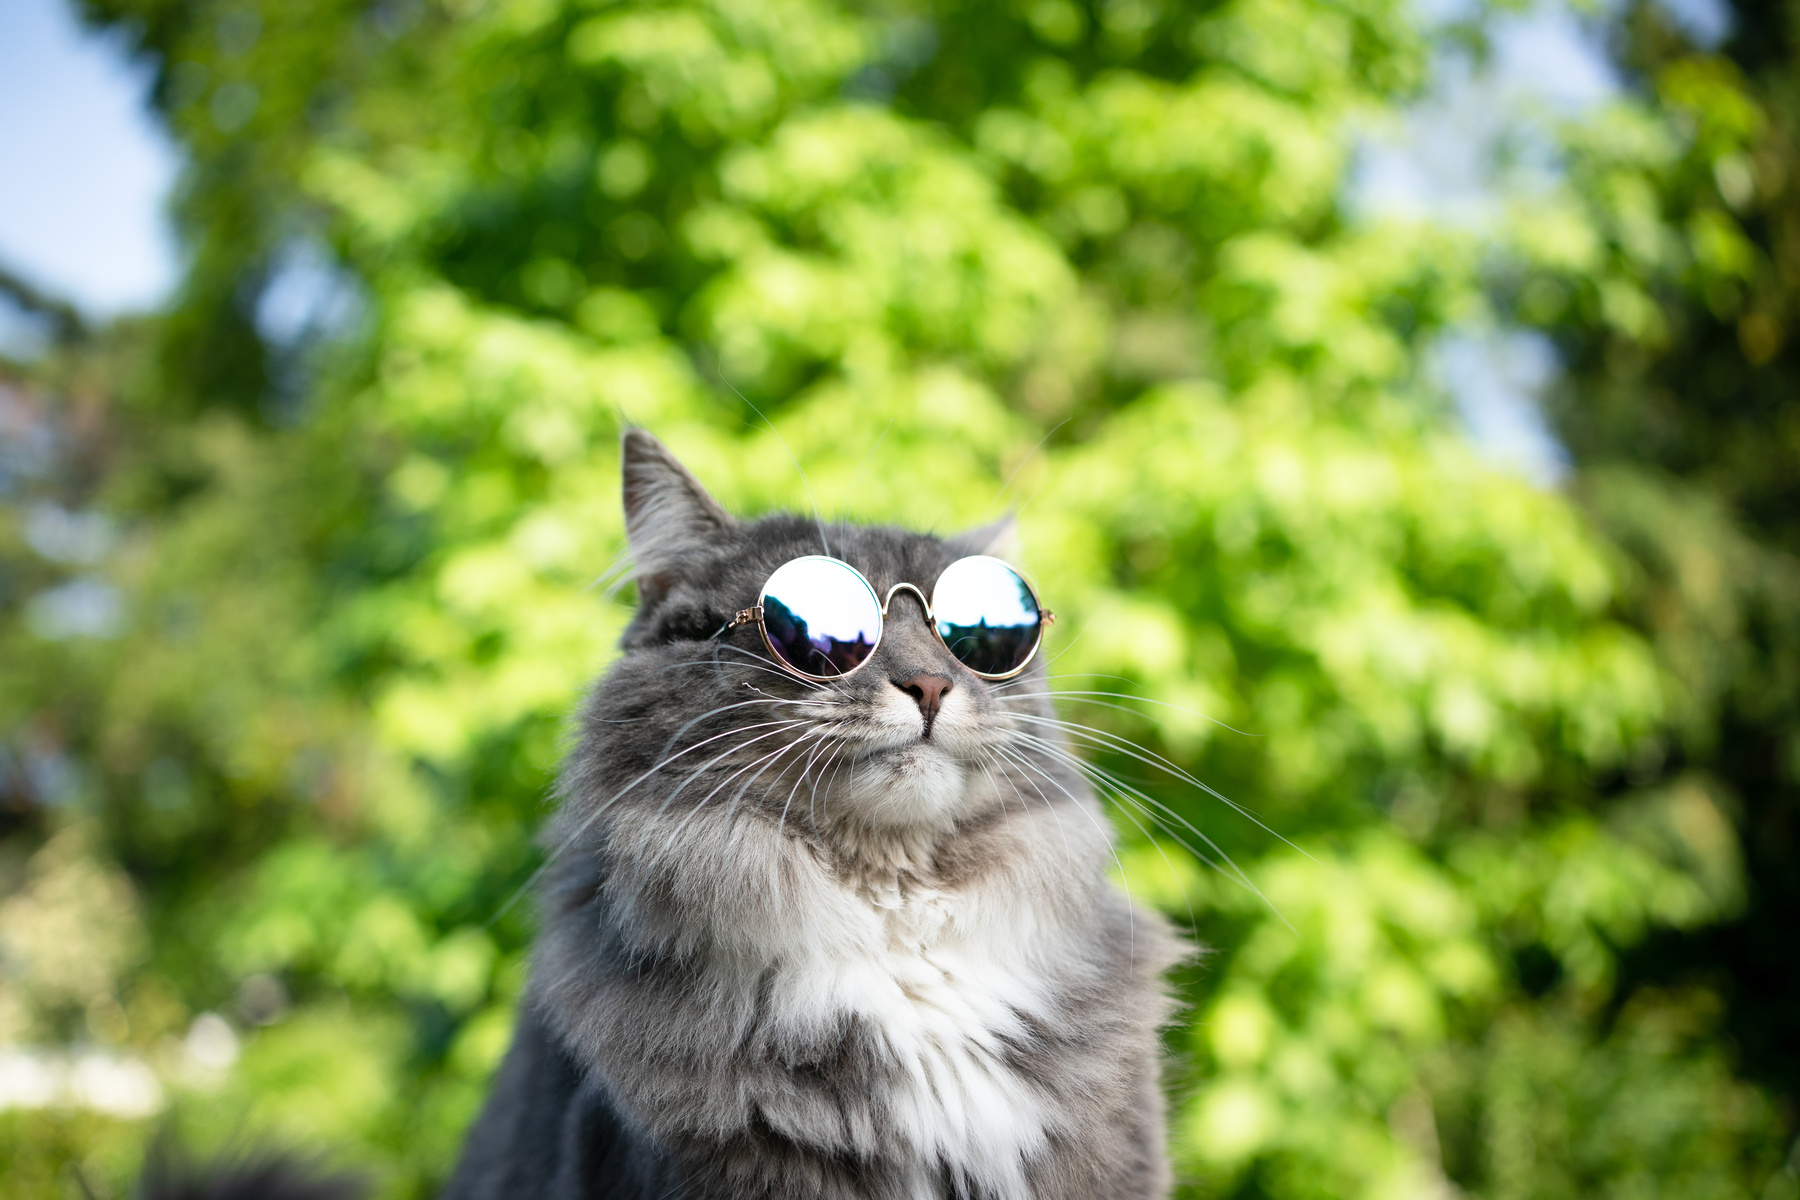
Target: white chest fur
(946, 980)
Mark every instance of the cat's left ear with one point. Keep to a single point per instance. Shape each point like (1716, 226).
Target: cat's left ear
(669, 516)
(998, 538)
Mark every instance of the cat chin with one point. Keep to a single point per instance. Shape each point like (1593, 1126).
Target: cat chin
(919, 784)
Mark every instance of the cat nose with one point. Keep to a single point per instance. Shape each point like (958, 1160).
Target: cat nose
(927, 690)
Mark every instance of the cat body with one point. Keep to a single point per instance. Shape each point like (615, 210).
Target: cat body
(851, 939)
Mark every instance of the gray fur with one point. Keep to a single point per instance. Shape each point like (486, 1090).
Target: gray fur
(856, 956)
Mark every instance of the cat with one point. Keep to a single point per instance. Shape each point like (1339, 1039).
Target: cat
(849, 938)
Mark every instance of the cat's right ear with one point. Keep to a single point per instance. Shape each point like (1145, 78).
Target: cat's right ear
(668, 515)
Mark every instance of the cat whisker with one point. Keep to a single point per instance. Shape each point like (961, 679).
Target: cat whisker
(1028, 765)
(812, 804)
(779, 726)
(1125, 805)
(981, 760)
(1187, 899)
(1078, 696)
(701, 804)
(1107, 780)
(1032, 677)
(703, 768)
(758, 689)
(1095, 821)
(1150, 758)
(809, 736)
(1125, 810)
(1128, 798)
(587, 822)
(713, 712)
(772, 668)
(763, 658)
(987, 758)
(1068, 855)
(800, 779)
(1157, 811)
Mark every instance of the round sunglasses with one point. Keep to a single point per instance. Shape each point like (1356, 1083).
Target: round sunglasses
(822, 620)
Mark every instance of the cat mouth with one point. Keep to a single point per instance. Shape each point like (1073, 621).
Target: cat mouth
(926, 746)
(911, 747)
(893, 737)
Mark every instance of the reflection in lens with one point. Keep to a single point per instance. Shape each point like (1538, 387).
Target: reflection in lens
(820, 616)
(987, 615)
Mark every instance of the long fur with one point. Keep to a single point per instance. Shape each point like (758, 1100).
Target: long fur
(799, 940)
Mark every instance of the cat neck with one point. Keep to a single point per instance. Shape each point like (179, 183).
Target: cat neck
(883, 855)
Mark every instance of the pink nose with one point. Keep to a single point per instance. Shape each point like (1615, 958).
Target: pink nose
(928, 690)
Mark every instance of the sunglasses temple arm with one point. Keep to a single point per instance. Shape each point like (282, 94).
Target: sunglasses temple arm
(744, 616)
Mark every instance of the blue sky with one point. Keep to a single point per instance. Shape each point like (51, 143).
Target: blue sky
(84, 169)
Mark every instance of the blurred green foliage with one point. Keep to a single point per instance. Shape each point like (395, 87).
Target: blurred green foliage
(294, 577)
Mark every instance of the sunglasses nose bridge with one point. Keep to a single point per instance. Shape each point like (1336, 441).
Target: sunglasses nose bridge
(887, 602)
(915, 652)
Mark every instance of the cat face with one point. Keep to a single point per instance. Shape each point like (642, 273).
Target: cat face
(910, 738)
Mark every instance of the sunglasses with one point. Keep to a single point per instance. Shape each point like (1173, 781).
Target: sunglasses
(822, 620)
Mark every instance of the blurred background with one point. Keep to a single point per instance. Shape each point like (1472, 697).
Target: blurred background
(1400, 404)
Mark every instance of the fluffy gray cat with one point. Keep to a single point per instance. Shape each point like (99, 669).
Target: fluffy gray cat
(841, 937)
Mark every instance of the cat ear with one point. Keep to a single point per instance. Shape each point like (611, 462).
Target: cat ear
(668, 515)
(998, 538)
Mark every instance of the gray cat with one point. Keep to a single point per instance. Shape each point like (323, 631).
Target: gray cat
(821, 934)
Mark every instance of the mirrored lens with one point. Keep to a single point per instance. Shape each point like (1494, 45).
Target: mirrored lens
(987, 615)
(821, 617)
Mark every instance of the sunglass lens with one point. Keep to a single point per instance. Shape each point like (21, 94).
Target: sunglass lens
(987, 615)
(821, 617)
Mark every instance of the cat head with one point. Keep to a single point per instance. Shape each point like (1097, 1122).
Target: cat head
(906, 740)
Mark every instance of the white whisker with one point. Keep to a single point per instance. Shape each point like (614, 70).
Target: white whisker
(1078, 696)
(1130, 919)
(1151, 806)
(1068, 855)
(587, 822)
(773, 754)
(1131, 749)
(800, 779)
(701, 770)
